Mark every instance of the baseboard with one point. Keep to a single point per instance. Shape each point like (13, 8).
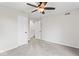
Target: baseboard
(2, 51)
(61, 43)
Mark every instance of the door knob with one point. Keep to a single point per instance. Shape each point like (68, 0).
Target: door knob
(25, 32)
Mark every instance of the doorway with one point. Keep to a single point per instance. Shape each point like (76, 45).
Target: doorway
(35, 29)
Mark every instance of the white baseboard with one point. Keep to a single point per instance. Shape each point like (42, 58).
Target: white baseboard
(2, 51)
(62, 43)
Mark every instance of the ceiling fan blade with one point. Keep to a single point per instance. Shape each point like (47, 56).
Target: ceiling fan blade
(34, 10)
(31, 5)
(39, 4)
(44, 3)
(49, 8)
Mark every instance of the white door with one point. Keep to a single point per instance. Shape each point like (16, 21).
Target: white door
(22, 30)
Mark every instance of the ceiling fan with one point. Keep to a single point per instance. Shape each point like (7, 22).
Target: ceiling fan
(41, 7)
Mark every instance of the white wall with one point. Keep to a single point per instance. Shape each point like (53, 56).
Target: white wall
(62, 29)
(8, 27)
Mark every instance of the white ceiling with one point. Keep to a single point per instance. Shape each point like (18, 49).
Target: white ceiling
(17, 5)
(60, 7)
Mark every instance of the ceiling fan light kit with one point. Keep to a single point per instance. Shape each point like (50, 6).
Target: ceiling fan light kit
(41, 7)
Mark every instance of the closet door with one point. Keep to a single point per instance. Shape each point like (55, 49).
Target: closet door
(22, 30)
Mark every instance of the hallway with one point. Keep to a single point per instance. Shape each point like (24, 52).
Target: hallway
(42, 48)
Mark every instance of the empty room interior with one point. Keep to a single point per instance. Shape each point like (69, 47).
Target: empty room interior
(39, 28)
